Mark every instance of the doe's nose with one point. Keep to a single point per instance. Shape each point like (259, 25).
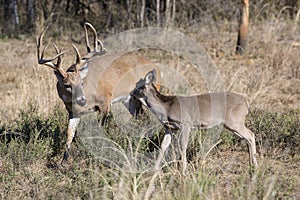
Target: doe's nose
(81, 100)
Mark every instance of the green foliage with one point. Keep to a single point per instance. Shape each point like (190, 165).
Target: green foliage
(276, 131)
(31, 127)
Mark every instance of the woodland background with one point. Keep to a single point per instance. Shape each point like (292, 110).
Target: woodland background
(20, 17)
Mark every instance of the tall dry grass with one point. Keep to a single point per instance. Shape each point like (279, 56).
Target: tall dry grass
(268, 74)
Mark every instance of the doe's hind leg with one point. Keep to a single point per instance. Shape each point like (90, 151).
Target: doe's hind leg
(249, 136)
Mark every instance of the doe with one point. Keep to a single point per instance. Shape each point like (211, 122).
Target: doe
(186, 112)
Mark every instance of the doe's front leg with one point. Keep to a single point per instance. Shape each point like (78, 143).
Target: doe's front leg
(184, 140)
(164, 146)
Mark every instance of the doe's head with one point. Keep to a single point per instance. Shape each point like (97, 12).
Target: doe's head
(141, 89)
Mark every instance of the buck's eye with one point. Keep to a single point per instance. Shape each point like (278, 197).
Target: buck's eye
(68, 87)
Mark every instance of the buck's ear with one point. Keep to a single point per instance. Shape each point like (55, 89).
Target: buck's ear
(83, 71)
(58, 76)
(150, 77)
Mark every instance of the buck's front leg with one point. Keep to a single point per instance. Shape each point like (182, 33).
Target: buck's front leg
(73, 123)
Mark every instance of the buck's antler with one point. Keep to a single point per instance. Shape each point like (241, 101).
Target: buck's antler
(97, 42)
(49, 62)
(78, 58)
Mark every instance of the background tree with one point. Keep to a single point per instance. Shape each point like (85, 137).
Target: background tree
(112, 16)
(30, 14)
(11, 16)
(243, 27)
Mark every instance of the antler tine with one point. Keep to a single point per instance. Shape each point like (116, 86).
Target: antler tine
(103, 49)
(41, 60)
(49, 62)
(95, 36)
(78, 57)
(88, 48)
(59, 61)
(56, 48)
(59, 52)
(97, 42)
(40, 56)
(39, 40)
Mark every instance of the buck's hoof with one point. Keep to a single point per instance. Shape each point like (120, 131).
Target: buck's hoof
(66, 157)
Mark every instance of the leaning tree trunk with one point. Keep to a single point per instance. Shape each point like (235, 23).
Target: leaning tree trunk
(243, 27)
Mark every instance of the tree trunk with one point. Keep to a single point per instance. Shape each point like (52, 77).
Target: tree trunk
(30, 15)
(174, 10)
(168, 12)
(142, 13)
(128, 8)
(243, 27)
(46, 13)
(11, 16)
(158, 12)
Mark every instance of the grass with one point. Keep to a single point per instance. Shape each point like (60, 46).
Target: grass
(33, 126)
(32, 147)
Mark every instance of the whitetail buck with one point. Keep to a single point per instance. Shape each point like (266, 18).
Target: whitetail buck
(185, 112)
(94, 81)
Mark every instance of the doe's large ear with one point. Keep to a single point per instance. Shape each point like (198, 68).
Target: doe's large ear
(150, 77)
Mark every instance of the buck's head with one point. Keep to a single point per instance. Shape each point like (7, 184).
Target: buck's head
(70, 82)
(143, 87)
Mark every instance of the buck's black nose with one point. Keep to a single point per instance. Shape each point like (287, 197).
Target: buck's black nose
(81, 101)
